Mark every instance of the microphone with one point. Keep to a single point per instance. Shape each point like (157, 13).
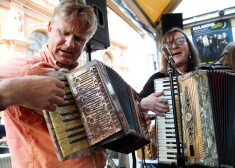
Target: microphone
(165, 51)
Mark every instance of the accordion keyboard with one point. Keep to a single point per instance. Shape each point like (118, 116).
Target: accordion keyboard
(68, 129)
(166, 138)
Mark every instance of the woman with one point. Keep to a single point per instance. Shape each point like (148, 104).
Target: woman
(186, 60)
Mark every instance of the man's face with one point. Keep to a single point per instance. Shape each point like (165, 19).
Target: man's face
(67, 39)
(180, 51)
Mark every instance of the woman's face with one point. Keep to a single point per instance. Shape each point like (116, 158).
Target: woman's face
(179, 49)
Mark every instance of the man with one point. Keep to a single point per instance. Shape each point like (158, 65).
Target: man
(72, 25)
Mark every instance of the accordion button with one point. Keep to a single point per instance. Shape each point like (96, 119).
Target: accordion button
(188, 116)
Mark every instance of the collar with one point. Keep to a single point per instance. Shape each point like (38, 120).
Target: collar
(46, 56)
(179, 72)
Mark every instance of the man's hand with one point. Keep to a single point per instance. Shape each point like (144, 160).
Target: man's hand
(35, 92)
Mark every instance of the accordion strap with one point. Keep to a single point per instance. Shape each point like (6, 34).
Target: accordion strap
(35, 113)
(109, 159)
(55, 67)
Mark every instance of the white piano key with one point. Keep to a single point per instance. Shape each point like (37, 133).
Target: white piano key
(172, 131)
(166, 160)
(163, 134)
(167, 145)
(168, 140)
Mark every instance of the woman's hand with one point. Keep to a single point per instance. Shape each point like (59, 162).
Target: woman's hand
(155, 103)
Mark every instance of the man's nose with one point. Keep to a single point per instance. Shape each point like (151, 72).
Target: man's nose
(70, 41)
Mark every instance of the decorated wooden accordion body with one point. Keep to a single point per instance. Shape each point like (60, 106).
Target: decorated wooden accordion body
(100, 110)
(208, 120)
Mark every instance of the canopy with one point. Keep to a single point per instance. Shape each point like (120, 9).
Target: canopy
(143, 15)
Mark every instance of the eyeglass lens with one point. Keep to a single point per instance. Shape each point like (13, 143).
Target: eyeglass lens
(177, 41)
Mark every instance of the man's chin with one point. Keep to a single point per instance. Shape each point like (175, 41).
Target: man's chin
(64, 63)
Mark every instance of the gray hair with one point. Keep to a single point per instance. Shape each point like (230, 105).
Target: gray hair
(70, 9)
(229, 58)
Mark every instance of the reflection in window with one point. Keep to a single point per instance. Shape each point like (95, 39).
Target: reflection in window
(107, 59)
(36, 40)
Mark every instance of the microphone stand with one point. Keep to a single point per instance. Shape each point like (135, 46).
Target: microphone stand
(210, 67)
(172, 71)
(217, 59)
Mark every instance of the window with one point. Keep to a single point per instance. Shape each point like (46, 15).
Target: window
(83, 59)
(54, 1)
(36, 40)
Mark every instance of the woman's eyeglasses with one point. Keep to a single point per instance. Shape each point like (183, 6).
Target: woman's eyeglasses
(177, 41)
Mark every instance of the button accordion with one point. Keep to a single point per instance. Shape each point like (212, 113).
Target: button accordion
(207, 115)
(100, 110)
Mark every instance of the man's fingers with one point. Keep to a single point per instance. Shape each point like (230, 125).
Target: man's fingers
(60, 92)
(51, 107)
(57, 100)
(60, 84)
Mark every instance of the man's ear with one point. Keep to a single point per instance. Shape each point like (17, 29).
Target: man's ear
(49, 28)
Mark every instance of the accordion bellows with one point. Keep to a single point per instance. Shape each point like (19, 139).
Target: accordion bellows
(100, 110)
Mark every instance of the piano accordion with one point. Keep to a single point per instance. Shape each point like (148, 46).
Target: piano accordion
(207, 120)
(100, 110)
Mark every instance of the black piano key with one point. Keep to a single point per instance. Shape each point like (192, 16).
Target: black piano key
(71, 119)
(67, 104)
(75, 134)
(77, 140)
(68, 93)
(68, 98)
(74, 128)
(66, 85)
(68, 113)
(62, 79)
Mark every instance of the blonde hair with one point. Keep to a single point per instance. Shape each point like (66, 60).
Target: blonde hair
(194, 59)
(229, 58)
(70, 9)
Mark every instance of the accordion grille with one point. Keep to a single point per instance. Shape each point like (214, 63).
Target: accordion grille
(193, 130)
(97, 112)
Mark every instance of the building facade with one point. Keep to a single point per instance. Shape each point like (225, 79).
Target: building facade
(23, 31)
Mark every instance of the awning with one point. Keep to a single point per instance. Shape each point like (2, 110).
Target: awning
(143, 15)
